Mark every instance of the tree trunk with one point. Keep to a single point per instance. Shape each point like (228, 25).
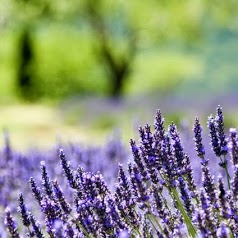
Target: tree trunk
(24, 75)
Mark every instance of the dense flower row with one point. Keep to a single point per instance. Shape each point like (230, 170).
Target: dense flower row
(155, 196)
(16, 168)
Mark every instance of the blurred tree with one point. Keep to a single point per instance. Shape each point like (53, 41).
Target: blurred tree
(108, 39)
(118, 66)
(24, 74)
(31, 11)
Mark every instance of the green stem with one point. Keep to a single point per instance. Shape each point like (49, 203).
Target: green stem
(227, 172)
(128, 221)
(191, 229)
(165, 201)
(228, 177)
(29, 230)
(152, 217)
(82, 228)
(193, 190)
(231, 234)
(84, 231)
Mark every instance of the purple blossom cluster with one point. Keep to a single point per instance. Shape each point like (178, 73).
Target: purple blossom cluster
(156, 193)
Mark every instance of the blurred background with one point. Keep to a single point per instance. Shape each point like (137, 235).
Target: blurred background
(81, 70)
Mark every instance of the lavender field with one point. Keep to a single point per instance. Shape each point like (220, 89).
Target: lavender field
(106, 119)
(170, 183)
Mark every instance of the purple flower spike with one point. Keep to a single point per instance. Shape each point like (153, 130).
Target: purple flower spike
(124, 185)
(233, 145)
(36, 190)
(69, 231)
(223, 232)
(217, 134)
(115, 215)
(25, 214)
(185, 196)
(52, 213)
(104, 217)
(208, 184)
(146, 229)
(198, 220)
(213, 135)
(46, 180)
(139, 187)
(223, 199)
(11, 225)
(147, 138)
(190, 180)
(61, 199)
(234, 183)
(197, 129)
(124, 199)
(206, 215)
(138, 159)
(177, 148)
(68, 172)
(219, 120)
(36, 227)
(160, 208)
(159, 126)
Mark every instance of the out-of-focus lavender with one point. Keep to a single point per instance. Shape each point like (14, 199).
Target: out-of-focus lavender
(178, 182)
(16, 168)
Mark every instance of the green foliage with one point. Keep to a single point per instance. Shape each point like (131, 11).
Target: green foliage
(161, 72)
(67, 57)
(67, 44)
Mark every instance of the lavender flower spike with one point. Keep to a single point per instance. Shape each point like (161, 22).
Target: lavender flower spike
(36, 190)
(207, 215)
(213, 135)
(177, 147)
(223, 232)
(25, 214)
(233, 145)
(60, 198)
(219, 120)
(46, 180)
(36, 227)
(218, 140)
(67, 170)
(159, 126)
(197, 129)
(11, 225)
(234, 183)
(223, 199)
